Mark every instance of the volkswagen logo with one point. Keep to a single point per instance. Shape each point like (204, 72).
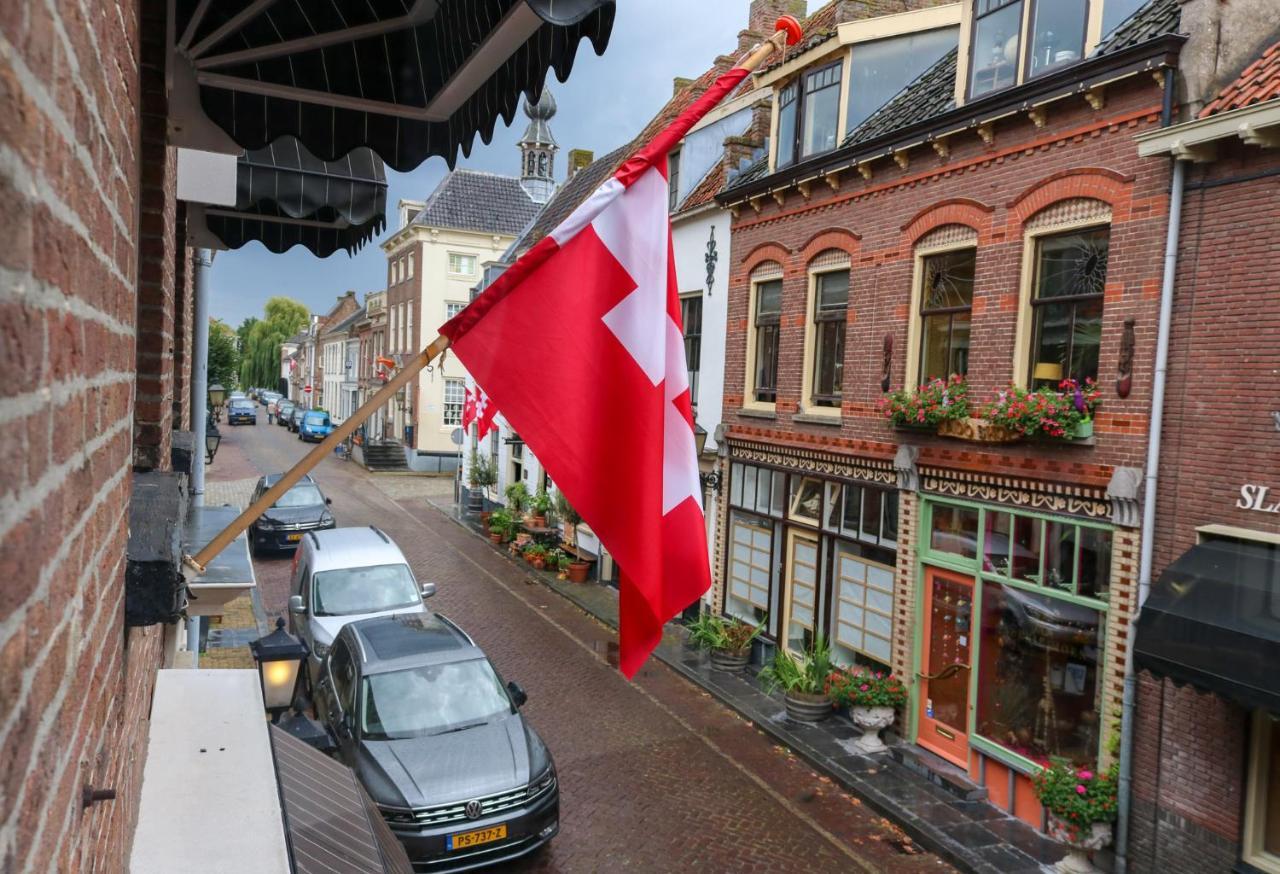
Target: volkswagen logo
(473, 810)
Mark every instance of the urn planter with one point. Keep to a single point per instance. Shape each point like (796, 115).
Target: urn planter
(1080, 842)
(734, 661)
(806, 706)
(872, 720)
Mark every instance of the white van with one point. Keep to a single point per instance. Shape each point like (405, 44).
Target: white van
(341, 575)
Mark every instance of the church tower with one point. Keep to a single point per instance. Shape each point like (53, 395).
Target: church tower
(538, 149)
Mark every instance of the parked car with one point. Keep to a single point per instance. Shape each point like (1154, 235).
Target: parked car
(438, 740)
(284, 410)
(315, 426)
(345, 575)
(267, 398)
(242, 412)
(301, 509)
(295, 417)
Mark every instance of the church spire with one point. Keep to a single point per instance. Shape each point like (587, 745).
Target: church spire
(538, 149)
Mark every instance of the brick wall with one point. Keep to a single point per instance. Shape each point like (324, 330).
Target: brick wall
(75, 688)
(183, 328)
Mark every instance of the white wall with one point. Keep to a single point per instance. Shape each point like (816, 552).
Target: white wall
(689, 239)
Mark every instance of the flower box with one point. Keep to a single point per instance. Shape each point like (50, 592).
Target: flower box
(977, 431)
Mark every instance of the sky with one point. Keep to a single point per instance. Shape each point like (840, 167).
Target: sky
(605, 103)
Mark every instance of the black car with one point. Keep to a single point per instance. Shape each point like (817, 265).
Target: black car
(242, 412)
(437, 739)
(283, 412)
(295, 418)
(301, 509)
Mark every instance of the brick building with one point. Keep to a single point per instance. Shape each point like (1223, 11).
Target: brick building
(990, 220)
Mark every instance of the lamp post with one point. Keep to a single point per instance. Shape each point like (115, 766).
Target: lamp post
(711, 479)
(281, 658)
(217, 394)
(212, 437)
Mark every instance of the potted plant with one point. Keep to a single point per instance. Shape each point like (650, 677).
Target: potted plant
(500, 525)
(1081, 805)
(539, 506)
(536, 555)
(802, 679)
(1065, 413)
(728, 640)
(480, 476)
(564, 562)
(872, 697)
(568, 516)
(517, 499)
(937, 401)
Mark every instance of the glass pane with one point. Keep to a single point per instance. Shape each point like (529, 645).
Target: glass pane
(1038, 676)
(950, 617)
(787, 124)
(833, 291)
(1051, 345)
(779, 493)
(806, 498)
(889, 534)
(749, 487)
(852, 509)
(821, 111)
(804, 578)
(1057, 34)
(1270, 821)
(881, 69)
(767, 363)
(749, 568)
(948, 280)
(870, 528)
(1086, 340)
(828, 368)
(763, 479)
(834, 491)
(1026, 549)
(995, 543)
(1072, 264)
(955, 530)
(1059, 555)
(735, 484)
(1114, 12)
(1095, 563)
(769, 298)
(994, 56)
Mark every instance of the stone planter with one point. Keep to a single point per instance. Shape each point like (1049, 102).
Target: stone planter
(807, 707)
(730, 660)
(1080, 842)
(578, 571)
(872, 720)
(977, 431)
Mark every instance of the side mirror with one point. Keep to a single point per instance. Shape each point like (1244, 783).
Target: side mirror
(517, 694)
(328, 500)
(428, 589)
(296, 607)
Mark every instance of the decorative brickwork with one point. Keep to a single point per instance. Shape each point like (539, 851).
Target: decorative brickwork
(1125, 544)
(904, 585)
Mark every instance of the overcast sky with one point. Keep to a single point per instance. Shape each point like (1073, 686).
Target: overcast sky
(604, 104)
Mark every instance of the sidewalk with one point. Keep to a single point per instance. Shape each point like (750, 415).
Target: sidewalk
(945, 817)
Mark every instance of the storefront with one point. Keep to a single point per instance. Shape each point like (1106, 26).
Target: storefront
(1011, 643)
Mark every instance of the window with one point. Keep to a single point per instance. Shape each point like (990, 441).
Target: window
(768, 318)
(830, 306)
(394, 269)
(996, 41)
(517, 458)
(865, 513)
(454, 395)
(1066, 306)
(946, 308)
(391, 347)
(757, 489)
(1262, 803)
(808, 114)
(673, 180)
(462, 264)
(883, 67)
(862, 618)
(691, 319)
(452, 308)
(1057, 34)
(409, 264)
(410, 338)
(1114, 12)
(750, 582)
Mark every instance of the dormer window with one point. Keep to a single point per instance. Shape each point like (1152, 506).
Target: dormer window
(1057, 34)
(809, 114)
(1014, 41)
(997, 38)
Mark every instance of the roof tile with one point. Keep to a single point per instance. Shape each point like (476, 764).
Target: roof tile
(1259, 82)
(469, 200)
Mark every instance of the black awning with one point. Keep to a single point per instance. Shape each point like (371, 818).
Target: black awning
(286, 197)
(332, 825)
(1213, 620)
(407, 78)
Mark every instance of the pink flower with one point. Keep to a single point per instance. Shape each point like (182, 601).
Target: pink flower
(1080, 790)
(864, 687)
(879, 675)
(1085, 775)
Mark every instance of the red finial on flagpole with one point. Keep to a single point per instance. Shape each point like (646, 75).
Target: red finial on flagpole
(789, 24)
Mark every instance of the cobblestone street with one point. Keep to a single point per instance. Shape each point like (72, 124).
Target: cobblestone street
(656, 775)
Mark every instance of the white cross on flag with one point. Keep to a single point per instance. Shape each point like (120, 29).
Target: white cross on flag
(596, 303)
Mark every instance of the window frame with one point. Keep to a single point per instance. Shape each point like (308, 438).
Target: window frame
(811, 401)
(919, 314)
(446, 406)
(1028, 24)
(1074, 300)
(461, 256)
(673, 179)
(694, 369)
(799, 86)
(971, 36)
(1252, 850)
(461, 305)
(750, 395)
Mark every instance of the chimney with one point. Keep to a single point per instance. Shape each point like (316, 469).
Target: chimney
(740, 148)
(765, 13)
(578, 159)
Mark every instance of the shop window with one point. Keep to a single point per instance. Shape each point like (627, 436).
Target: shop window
(996, 40)
(808, 115)
(802, 576)
(806, 499)
(768, 318)
(757, 489)
(1262, 803)
(691, 320)
(1093, 573)
(1057, 34)
(830, 308)
(750, 567)
(881, 68)
(454, 396)
(1056, 554)
(1038, 690)
(862, 618)
(1024, 563)
(946, 313)
(1066, 306)
(954, 529)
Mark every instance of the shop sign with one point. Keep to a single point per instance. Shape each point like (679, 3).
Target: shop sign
(1254, 497)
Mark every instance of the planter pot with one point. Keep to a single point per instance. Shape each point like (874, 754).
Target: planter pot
(496, 537)
(484, 520)
(805, 707)
(538, 563)
(578, 571)
(977, 431)
(730, 660)
(475, 501)
(1080, 842)
(522, 538)
(538, 521)
(872, 720)
(1082, 431)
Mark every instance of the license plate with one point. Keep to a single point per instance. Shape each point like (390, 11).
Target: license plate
(293, 537)
(471, 839)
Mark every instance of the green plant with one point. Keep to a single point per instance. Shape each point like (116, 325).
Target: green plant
(481, 473)
(806, 673)
(517, 497)
(565, 510)
(564, 559)
(535, 550)
(862, 687)
(710, 631)
(502, 522)
(541, 502)
(1047, 411)
(1077, 796)
(936, 401)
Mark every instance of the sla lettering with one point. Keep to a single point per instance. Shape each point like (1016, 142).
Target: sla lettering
(1253, 497)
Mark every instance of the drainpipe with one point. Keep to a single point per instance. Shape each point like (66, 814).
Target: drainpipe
(199, 416)
(311, 364)
(1124, 787)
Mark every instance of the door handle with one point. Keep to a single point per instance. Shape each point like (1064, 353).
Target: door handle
(946, 672)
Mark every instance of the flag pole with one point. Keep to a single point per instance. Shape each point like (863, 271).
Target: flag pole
(199, 561)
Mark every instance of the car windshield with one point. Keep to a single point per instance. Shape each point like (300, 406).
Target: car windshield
(301, 495)
(242, 405)
(432, 700)
(316, 419)
(373, 589)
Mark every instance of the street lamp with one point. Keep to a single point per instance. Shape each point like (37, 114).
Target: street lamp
(711, 479)
(280, 657)
(217, 394)
(212, 437)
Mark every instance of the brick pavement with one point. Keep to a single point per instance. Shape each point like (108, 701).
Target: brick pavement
(656, 775)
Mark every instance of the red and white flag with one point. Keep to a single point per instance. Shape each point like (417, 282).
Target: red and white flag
(468, 409)
(486, 410)
(595, 302)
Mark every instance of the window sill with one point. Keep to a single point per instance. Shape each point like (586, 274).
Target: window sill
(833, 420)
(752, 413)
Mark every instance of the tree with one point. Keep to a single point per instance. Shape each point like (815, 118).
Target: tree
(224, 357)
(261, 339)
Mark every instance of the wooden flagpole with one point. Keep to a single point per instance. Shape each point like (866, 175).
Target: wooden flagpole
(788, 33)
